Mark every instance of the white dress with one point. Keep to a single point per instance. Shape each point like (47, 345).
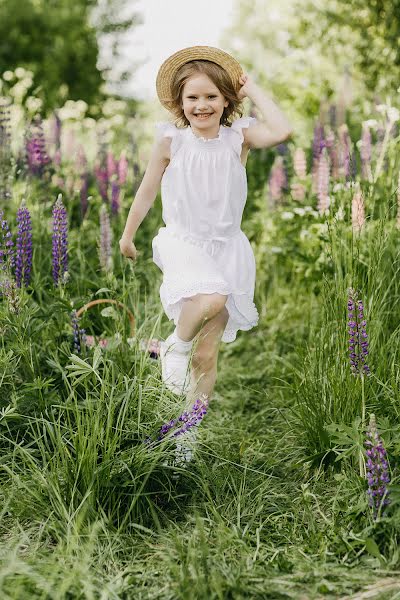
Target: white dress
(202, 249)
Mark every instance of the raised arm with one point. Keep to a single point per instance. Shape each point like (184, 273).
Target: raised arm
(275, 128)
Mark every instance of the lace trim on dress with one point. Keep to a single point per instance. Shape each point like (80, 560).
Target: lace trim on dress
(172, 300)
(203, 139)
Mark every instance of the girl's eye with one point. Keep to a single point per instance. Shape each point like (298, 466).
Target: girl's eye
(210, 96)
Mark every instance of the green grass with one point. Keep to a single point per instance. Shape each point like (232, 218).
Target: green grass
(273, 506)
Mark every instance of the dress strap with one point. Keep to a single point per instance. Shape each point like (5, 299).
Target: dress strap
(237, 127)
(167, 129)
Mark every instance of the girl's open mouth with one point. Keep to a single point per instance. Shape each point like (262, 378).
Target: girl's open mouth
(203, 117)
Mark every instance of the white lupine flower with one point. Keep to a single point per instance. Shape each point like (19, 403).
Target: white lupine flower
(287, 215)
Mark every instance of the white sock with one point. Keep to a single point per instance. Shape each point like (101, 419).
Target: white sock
(180, 344)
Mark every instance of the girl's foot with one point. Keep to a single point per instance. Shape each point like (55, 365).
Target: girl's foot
(174, 366)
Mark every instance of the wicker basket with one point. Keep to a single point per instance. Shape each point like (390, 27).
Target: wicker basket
(103, 342)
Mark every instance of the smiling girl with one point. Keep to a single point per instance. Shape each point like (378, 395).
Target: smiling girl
(207, 261)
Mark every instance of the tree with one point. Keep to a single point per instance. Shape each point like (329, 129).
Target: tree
(59, 42)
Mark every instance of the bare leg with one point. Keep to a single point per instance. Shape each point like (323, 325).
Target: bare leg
(196, 311)
(205, 357)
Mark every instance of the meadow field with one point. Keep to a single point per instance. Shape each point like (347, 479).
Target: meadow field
(293, 489)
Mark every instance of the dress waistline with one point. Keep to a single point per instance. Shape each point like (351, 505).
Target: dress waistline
(210, 243)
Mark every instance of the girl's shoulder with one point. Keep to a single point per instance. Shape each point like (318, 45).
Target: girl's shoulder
(166, 129)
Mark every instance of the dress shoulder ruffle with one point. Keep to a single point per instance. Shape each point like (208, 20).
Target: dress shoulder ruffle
(237, 127)
(167, 129)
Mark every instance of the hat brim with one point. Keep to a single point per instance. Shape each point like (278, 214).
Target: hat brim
(169, 67)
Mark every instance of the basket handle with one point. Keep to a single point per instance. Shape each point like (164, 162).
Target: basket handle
(104, 301)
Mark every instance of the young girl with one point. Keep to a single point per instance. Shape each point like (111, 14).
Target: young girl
(207, 261)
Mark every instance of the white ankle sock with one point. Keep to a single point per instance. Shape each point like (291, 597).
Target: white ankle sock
(181, 345)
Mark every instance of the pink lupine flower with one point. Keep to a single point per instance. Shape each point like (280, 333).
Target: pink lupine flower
(122, 169)
(323, 183)
(111, 165)
(344, 149)
(81, 160)
(277, 179)
(357, 211)
(365, 151)
(300, 163)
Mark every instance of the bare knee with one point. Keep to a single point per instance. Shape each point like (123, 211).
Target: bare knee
(211, 304)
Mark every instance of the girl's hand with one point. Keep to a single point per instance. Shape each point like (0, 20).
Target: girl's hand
(128, 248)
(246, 82)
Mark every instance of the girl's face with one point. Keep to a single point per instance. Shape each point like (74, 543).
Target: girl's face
(201, 96)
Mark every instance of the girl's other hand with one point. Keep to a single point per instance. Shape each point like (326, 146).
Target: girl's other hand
(128, 248)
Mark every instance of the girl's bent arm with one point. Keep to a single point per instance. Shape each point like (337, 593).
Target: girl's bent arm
(147, 191)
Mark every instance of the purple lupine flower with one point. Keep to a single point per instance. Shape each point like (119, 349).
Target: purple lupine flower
(323, 183)
(35, 146)
(5, 150)
(377, 469)
(105, 253)
(332, 115)
(7, 252)
(352, 167)
(60, 241)
(365, 150)
(188, 419)
(115, 204)
(333, 154)
(24, 246)
(122, 169)
(358, 338)
(102, 181)
(79, 333)
(7, 262)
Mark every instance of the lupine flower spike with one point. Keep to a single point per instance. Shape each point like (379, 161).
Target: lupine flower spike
(105, 248)
(377, 469)
(358, 338)
(277, 180)
(187, 419)
(79, 333)
(24, 246)
(323, 183)
(357, 211)
(5, 150)
(60, 242)
(7, 263)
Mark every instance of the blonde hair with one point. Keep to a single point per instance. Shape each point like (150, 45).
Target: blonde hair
(218, 76)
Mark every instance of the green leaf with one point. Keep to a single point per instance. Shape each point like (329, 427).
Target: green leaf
(372, 547)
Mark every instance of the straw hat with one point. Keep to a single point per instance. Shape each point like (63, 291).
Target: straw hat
(169, 67)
